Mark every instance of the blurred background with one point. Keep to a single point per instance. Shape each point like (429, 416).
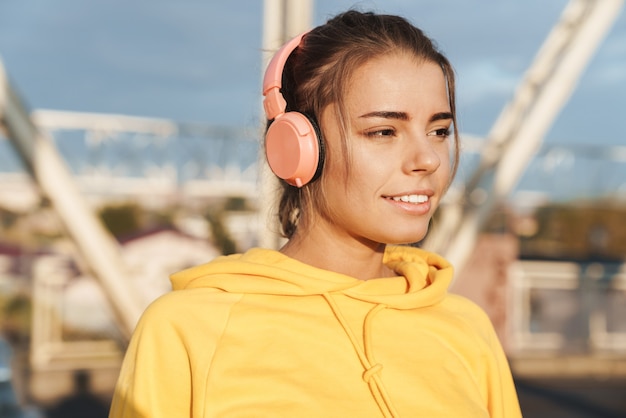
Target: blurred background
(129, 144)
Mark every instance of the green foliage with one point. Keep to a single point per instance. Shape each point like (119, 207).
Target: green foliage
(221, 236)
(7, 219)
(589, 231)
(236, 204)
(216, 216)
(121, 219)
(15, 316)
(129, 218)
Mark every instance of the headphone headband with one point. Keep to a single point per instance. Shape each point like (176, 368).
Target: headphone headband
(274, 103)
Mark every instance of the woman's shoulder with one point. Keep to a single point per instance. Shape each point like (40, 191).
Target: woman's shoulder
(456, 301)
(191, 305)
(469, 312)
(464, 306)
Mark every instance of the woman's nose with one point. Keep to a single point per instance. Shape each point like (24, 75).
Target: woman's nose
(422, 155)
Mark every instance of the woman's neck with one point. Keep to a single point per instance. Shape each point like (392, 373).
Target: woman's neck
(353, 258)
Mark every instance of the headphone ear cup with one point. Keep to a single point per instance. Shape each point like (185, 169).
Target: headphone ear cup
(320, 146)
(292, 148)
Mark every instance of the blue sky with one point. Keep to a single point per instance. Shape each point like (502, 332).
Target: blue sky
(200, 60)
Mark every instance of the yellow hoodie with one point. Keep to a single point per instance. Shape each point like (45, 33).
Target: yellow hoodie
(263, 335)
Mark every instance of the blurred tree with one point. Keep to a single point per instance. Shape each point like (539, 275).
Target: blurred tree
(221, 235)
(15, 317)
(121, 219)
(129, 218)
(582, 231)
(216, 216)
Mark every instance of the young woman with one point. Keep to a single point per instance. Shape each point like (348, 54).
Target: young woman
(342, 320)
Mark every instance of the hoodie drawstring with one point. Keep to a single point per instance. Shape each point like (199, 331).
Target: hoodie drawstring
(371, 375)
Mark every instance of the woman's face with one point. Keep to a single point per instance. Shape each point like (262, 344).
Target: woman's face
(398, 121)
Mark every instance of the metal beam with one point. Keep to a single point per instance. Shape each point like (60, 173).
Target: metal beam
(519, 130)
(96, 245)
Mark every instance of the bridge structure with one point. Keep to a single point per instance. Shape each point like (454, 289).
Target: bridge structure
(79, 159)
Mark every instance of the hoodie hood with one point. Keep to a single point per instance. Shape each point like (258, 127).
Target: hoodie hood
(423, 277)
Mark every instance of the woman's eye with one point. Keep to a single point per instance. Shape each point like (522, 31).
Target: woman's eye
(442, 132)
(381, 133)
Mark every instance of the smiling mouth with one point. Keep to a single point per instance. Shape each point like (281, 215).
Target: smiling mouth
(409, 198)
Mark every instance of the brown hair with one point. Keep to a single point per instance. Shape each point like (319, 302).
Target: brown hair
(317, 74)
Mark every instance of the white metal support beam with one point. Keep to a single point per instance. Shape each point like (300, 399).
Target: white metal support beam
(519, 131)
(98, 248)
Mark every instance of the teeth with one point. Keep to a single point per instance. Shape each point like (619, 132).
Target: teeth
(411, 198)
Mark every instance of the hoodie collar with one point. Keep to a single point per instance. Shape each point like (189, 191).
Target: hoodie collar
(423, 277)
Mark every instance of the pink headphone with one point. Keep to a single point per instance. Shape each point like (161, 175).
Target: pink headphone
(292, 142)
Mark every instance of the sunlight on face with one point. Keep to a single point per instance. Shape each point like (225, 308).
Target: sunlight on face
(398, 119)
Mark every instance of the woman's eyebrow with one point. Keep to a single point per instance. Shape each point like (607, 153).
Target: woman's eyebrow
(386, 114)
(441, 116)
(390, 114)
